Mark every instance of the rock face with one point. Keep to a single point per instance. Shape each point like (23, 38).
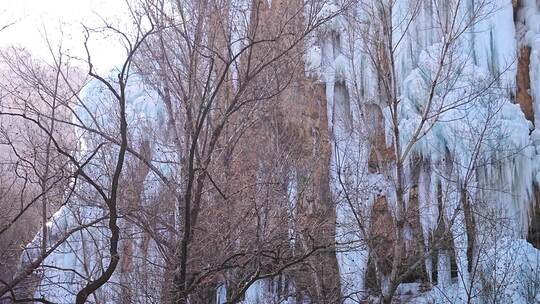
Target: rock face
(533, 235)
(525, 14)
(292, 134)
(523, 81)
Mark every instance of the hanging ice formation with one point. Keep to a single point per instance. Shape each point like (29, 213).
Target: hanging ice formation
(84, 253)
(477, 140)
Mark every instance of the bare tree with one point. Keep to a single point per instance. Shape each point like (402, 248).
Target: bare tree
(52, 122)
(224, 74)
(37, 172)
(220, 68)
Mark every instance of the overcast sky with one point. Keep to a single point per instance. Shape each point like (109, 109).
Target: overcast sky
(33, 17)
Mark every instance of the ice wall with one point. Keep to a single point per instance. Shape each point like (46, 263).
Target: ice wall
(479, 140)
(83, 253)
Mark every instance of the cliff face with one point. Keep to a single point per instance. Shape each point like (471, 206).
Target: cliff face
(334, 124)
(431, 159)
(526, 14)
(291, 134)
(410, 157)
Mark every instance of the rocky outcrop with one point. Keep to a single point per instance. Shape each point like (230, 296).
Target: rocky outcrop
(523, 82)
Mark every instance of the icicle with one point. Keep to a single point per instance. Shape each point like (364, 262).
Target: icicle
(443, 269)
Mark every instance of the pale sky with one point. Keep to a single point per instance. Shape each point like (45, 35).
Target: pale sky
(32, 17)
